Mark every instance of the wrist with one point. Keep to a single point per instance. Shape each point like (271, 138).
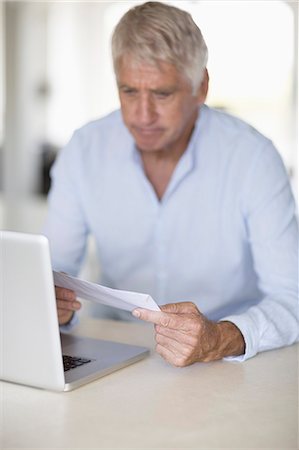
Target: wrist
(231, 340)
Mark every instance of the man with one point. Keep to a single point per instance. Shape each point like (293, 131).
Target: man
(185, 203)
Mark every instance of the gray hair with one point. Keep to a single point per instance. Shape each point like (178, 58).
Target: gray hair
(155, 32)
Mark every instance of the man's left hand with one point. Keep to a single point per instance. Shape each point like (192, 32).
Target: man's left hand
(185, 336)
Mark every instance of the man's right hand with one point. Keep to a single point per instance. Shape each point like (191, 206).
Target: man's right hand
(67, 304)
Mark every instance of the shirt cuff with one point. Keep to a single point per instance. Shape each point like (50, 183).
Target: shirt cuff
(70, 325)
(249, 331)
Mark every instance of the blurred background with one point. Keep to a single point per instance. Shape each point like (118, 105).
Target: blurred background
(56, 74)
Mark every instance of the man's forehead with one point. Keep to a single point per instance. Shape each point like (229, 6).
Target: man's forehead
(131, 70)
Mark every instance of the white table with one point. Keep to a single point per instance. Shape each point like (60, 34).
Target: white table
(151, 405)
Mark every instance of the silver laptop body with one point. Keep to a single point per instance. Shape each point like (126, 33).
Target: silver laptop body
(31, 346)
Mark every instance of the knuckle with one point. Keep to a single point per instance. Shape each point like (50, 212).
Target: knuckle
(60, 305)
(65, 294)
(64, 305)
(193, 324)
(196, 326)
(158, 338)
(159, 349)
(164, 321)
(193, 341)
(193, 306)
(180, 361)
(169, 307)
(186, 352)
(190, 304)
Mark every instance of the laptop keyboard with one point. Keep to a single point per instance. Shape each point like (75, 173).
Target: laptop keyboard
(71, 362)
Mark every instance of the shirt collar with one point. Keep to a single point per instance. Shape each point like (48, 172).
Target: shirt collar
(187, 161)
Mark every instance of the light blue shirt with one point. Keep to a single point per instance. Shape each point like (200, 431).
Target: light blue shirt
(224, 235)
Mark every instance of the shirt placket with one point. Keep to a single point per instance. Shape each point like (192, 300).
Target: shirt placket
(160, 245)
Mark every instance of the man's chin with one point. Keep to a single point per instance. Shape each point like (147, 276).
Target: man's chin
(147, 142)
(144, 149)
(147, 145)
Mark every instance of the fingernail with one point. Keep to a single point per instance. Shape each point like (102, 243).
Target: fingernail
(136, 313)
(76, 305)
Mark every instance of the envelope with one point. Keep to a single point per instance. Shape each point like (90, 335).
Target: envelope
(106, 296)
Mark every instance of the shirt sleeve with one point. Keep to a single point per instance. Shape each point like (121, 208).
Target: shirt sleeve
(65, 225)
(68, 327)
(272, 228)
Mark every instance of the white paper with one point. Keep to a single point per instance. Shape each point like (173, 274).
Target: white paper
(100, 294)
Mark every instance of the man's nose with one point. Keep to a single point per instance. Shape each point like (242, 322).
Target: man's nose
(146, 110)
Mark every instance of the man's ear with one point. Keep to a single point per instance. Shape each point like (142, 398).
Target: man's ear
(203, 88)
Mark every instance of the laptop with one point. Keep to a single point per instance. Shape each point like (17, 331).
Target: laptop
(33, 352)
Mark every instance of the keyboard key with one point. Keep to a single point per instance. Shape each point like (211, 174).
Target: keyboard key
(71, 362)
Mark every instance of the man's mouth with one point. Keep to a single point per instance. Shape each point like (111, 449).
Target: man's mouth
(146, 131)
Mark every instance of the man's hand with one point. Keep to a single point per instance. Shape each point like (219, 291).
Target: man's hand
(66, 304)
(185, 336)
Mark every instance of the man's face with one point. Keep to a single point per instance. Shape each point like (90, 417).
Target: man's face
(157, 106)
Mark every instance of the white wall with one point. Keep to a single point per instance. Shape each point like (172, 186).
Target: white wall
(24, 118)
(65, 47)
(2, 99)
(25, 74)
(252, 64)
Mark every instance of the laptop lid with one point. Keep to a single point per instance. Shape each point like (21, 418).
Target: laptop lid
(29, 338)
(30, 343)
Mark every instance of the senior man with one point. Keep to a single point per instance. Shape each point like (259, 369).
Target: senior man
(185, 203)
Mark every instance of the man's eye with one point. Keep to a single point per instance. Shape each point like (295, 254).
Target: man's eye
(163, 95)
(128, 91)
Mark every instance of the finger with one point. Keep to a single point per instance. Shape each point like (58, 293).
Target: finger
(64, 316)
(176, 346)
(68, 305)
(157, 317)
(171, 357)
(180, 308)
(65, 294)
(186, 338)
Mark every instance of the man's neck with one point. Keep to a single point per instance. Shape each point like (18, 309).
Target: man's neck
(159, 167)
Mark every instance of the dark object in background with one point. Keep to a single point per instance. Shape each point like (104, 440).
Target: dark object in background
(48, 156)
